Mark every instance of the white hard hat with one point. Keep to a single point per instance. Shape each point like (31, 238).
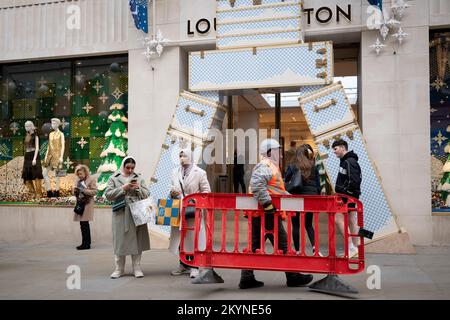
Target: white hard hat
(267, 145)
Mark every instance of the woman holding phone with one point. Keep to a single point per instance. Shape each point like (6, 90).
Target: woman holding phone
(85, 189)
(125, 187)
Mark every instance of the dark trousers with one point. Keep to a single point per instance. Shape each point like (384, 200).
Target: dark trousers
(239, 181)
(296, 229)
(85, 233)
(247, 275)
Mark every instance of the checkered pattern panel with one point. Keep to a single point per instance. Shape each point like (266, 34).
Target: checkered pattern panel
(168, 212)
(249, 27)
(329, 117)
(184, 118)
(307, 90)
(169, 156)
(168, 161)
(289, 66)
(259, 40)
(376, 209)
(259, 13)
(211, 95)
(225, 4)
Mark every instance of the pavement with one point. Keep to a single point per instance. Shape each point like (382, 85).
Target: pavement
(37, 270)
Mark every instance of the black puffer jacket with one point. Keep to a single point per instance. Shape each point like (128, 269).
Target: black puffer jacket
(349, 178)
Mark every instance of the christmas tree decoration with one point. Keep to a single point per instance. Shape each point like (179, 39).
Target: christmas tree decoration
(97, 86)
(82, 143)
(399, 7)
(68, 163)
(88, 107)
(69, 94)
(400, 35)
(377, 46)
(154, 46)
(384, 31)
(103, 98)
(444, 186)
(115, 148)
(440, 138)
(14, 127)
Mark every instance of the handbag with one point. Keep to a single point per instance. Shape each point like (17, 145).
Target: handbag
(189, 212)
(118, 205)
(295, 182)
(141, 211)
(80, 206)
(168, 213)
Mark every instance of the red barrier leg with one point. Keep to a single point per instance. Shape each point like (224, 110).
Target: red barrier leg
(302, 233)
(316, 234)
(289, 232)
(224, 231)
(236, 231)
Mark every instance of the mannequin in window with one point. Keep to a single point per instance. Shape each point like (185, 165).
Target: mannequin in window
(54, 157)
(32, 170)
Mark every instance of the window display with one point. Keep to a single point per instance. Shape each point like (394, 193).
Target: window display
(440, 120)
(55, 115)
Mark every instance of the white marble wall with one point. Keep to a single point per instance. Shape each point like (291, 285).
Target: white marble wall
(396, 120)
(40, 31)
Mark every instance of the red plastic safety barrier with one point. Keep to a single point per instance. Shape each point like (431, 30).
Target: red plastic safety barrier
(238, 205)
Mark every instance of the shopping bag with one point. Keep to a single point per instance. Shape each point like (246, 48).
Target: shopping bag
(168, 212)
(142, 211)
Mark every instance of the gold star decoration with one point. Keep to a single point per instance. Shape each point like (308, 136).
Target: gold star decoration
(88, 107)
(68, 163)
(103, 98)
(98, 86)
(117, 93)
(69, 94)
(439, 139)
(438, 84)
(82, 143)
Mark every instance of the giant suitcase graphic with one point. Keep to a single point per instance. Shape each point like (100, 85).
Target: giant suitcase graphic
(289, 66)
(273, 22)
(194, 117)
(330, 117)
(198, 113)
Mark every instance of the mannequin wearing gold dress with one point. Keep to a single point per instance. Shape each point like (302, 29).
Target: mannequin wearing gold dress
(54, 157)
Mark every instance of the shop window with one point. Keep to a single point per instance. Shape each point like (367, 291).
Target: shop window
(79, 93)
(440, 120)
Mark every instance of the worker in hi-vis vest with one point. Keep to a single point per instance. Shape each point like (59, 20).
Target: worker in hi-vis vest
(267, 180)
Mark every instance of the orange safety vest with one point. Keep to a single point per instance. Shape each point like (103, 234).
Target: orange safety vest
(276, 184)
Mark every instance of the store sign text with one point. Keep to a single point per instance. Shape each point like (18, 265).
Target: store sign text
(322, 15)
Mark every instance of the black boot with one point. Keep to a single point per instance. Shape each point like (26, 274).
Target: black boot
(85, 235)
(298, 279)
(249, 284)
(248, 280)
(49, 194)
(56, 194)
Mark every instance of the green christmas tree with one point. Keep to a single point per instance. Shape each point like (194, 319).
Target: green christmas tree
(444, 187)
(115, 148)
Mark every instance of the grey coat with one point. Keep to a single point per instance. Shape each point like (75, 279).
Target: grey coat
(127, 238)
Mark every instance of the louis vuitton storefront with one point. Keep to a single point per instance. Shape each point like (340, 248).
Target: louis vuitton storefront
(49, 70)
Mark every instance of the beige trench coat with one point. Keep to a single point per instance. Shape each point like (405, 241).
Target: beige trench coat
(127, 238)
(196, 182)
(91, 191)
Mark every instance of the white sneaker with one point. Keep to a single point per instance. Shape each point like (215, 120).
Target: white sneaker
(353, 252)
(314, 252)
(194, 273)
